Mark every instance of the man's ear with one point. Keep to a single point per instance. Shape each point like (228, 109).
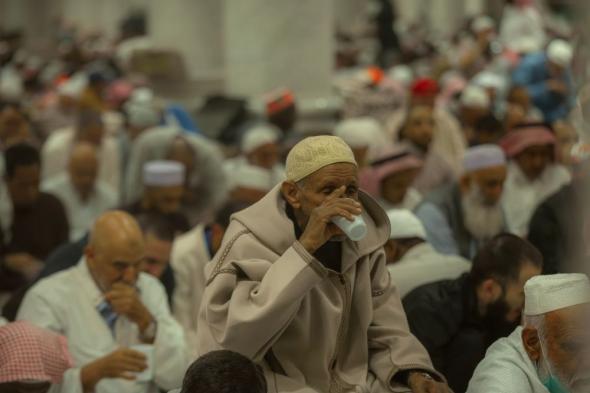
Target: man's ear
(531, 343)
(489, 291)
(291, 193)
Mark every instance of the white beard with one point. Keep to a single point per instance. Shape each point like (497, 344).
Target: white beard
(481, 220)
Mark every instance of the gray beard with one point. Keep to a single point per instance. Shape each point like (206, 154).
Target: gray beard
(482, 221)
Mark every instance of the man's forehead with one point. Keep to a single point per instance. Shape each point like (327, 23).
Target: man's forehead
(570, 320)
(340, 172)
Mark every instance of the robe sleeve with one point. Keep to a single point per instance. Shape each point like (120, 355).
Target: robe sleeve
(171, 357)
(392, 348)
(187, 294)
(38, 311)
(438, 231)
(248, 316)
(70, 384)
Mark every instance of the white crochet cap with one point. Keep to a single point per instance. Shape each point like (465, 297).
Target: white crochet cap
(560, 52)
(482, 157)
(314, 153)
(482, 23)
(141, 108)
(250, 176)
(475, 97)
(359, 132)
(163, 174)
(405, 225)
(544, 294)
(258, 136)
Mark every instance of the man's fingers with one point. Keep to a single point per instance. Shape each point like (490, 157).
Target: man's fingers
(337, 193)
(127, 375)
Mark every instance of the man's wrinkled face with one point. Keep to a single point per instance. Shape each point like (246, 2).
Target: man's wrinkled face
(315, 188)
(165, 199)
(395, 186)
(113, 263)
(566, 347)
(23, 186)
(419, 126)
(266, 156)
(83, 175)
(533, 160)
(490, 182)
(157, 255)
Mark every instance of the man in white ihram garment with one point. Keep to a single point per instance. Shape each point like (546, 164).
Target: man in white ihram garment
(106, 308)
(550, 353)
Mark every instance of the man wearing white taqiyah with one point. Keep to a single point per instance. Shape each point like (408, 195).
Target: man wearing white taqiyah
(550, 354)
(412, 261)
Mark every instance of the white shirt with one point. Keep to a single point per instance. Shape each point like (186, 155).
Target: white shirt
(190, 254)
(56, 152)
(506, 368)
(422, 265)
(81, 214)
(521, 196)
(66, 304)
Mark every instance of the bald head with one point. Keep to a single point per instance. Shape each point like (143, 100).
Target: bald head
(83, 168)
(115, 252)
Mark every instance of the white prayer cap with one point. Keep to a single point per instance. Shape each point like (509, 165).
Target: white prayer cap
(482, 23)
(315, 152)
(252, 177)
(141, 109)
(401, 73)
(488, 79)
(258, 136)
(11, 84)
(560, 52)
(163, 174)
(544, 294)
(482, 157)
(359, 132)
(73, 87)
(405, 225)
(475, 97)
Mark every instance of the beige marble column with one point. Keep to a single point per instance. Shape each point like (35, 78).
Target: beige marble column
(274, 43)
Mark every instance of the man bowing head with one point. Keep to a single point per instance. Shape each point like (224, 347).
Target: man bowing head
(292, 291)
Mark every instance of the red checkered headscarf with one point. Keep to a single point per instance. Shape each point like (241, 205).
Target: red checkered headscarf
(30, 353)
(516, 141)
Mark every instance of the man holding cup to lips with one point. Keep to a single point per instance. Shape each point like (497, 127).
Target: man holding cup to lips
(121, 334)
(294, 292)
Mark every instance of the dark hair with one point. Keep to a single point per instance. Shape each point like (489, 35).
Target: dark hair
(159, 225)
(224, 214)
(224, 372)
(488, 123)
(503, 257)
(18, 155)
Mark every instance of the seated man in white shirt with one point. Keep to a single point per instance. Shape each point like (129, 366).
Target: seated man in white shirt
(83, 195)
(105, 307)
(551, 352)
(411, 260)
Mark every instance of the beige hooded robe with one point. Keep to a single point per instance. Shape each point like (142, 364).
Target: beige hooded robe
(312, 329)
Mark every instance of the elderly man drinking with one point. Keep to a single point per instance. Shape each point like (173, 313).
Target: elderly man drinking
(550, 353)
(289, 290)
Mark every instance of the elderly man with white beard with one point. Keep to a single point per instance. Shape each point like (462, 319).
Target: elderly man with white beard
(460, 217)
(550, 353)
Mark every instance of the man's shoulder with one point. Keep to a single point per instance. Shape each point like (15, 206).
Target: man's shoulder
(437, 295)
(505, 364)
(62, 282)
(49, 201)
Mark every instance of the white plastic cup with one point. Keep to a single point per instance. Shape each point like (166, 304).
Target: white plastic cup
(355, 230)
(148, 374)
